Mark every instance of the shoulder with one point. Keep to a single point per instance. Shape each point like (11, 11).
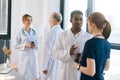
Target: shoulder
(50, 34)
(20, 31)
(64, 33)
(33, 30)
(86, 34)
(57, 29)
(90, 41)
(108, 44)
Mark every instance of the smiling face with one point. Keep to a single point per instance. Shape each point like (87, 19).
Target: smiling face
(27, 21)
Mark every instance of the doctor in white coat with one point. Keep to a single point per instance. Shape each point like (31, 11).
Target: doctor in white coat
(49, 64)
(69, 44)
(26, 42)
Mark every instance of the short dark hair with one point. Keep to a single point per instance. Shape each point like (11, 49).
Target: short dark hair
(76, 12)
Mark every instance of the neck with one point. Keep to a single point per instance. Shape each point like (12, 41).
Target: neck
(98, 35)
(53, 25)
(75, 31)
(27, 28)
(96, 32)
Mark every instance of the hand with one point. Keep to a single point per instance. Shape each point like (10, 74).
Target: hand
(30, 45)
(4, 48)
(78, 55)
(45, 71)
(75, 65)
(72, 49)
(6, 51)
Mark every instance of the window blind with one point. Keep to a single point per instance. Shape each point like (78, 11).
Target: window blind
(3, 17)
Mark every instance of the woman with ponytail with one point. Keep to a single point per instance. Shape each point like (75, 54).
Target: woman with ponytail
(96, 54)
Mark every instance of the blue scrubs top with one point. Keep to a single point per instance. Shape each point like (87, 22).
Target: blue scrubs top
(99, 50)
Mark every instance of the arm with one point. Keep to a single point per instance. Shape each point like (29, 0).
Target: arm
(89, 70)
(21, 42)
(46, 52)
(6, 51)
(60, 51)
(107, 65)
(18, 44)
(90, 67)
(34, 44)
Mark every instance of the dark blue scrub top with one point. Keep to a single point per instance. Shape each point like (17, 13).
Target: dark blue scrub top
(99, 50)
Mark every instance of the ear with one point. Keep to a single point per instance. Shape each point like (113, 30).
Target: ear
(90, 23)
(93, 24)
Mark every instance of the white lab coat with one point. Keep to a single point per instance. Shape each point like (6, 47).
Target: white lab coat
(28, 61)
(61, 52)
(48, 62)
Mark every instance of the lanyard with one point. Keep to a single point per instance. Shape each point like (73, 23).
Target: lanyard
(96, 36)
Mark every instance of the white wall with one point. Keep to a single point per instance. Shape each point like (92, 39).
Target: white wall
(40, 10)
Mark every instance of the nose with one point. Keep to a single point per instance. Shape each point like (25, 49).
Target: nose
(79, 21)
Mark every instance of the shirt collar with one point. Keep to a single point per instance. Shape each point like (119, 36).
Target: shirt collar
(55, 26)
(77, 34)
(27, 33)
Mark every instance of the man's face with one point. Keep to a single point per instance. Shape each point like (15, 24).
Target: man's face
(77, 21)
(52, 20)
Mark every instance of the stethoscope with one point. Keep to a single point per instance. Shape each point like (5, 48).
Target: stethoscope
(23, 32)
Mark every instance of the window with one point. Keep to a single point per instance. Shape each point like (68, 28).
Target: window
(112, 13)
(113, 73)
(5, 17)
(71, 5)
(5, 24)
(88, 6)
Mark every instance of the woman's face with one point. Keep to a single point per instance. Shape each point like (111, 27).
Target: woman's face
(27, 21)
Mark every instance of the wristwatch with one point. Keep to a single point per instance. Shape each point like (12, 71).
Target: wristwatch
(78, 67)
